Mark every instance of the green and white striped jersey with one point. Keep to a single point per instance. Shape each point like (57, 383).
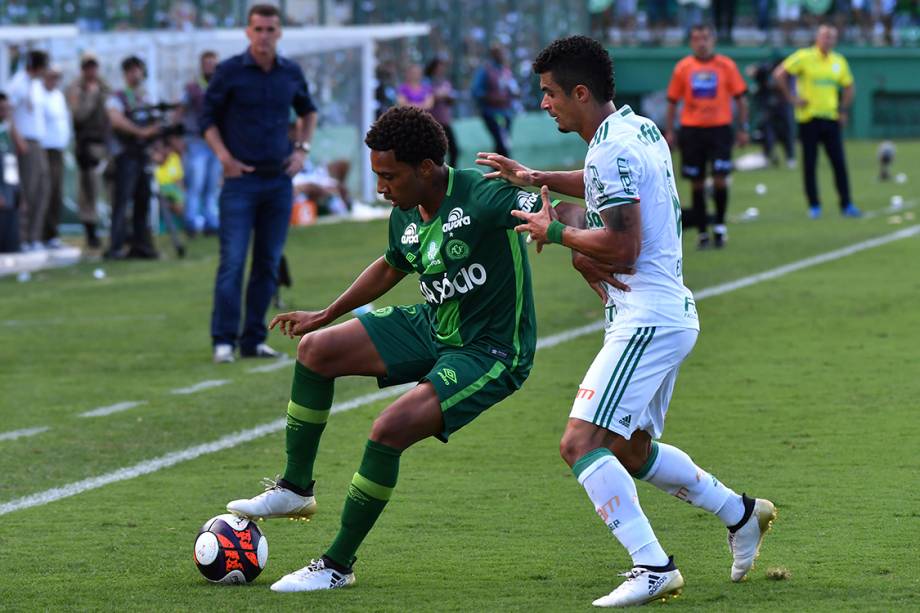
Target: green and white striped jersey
(629, 161)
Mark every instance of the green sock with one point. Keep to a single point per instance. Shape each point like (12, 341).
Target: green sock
(308, 410)
(368, 493)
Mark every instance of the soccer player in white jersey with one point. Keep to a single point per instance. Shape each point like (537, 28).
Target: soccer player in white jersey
(632, 219)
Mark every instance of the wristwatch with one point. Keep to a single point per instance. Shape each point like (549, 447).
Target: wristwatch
(305, 147)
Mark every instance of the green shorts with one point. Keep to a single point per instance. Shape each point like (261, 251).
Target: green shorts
(468, 380)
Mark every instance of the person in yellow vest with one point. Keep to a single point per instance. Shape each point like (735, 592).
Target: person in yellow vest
(822, 97)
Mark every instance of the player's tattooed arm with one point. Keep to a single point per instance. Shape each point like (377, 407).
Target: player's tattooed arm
(571, 214)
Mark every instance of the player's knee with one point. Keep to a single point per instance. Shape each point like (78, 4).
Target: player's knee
(314, 352)
(386, 431)
(571, 448)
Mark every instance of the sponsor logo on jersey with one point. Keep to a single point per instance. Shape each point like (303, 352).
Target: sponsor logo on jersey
(382, 311)
(448, 375)
(455, 219)
(457, 249)
(585, 393)
(527, 200)
(410, 235)
(648, 134)
(625, 177)
(704, 84)
(466, 280)
(432, 257)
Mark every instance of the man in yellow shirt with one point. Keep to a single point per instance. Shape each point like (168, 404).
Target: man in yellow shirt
(821, 111)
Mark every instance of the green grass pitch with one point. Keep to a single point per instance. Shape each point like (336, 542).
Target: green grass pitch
(803, 389)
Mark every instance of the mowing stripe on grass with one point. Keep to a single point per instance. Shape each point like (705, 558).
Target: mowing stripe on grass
(203, 385)
(118, 407)
(14, 434)
(245, 436)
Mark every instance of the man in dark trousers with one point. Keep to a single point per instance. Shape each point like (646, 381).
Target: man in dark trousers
(821, 111)
(129, 115)
(245, 121)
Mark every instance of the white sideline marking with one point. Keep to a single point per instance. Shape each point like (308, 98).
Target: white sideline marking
(203, 385)
(113, 408)
(245, 436)
(14, 434)
(275, 365)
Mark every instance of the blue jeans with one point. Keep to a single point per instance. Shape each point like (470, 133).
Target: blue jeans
(249, 206)
(202, 180)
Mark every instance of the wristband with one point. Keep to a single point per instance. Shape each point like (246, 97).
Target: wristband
(555, 202)
(554, 231)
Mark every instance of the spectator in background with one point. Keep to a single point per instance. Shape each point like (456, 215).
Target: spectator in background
(202, 168)
(9, 223)
(55, 142)
(659, 18)
(494, 90)
(27, 95)
(723, 14)
(86, 97)
(245, 121)
(129, 113)
(385, 92)
(413, 91)
(706, 83)
(788, 13)
(774, 112)
(444, 96)
(820, 110)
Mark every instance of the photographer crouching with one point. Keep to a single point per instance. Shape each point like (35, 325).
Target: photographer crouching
(135, 124)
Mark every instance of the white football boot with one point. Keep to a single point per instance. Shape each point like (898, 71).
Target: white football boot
(642, 586)
(275, 501)
(744, 543)
(312, 577)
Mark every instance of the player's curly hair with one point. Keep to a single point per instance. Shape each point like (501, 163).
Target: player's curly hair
(413, 135)
(578, 60)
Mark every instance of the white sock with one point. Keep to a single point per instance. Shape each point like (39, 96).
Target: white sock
(673, 471)
(613, 492)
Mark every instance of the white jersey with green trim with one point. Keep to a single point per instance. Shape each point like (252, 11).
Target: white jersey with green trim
(628, 161)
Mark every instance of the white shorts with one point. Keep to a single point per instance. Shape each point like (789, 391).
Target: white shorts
(628, 386)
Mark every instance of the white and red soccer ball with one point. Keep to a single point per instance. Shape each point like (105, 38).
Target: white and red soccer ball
(230, 550)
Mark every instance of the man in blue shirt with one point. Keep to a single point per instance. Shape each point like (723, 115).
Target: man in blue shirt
(245, 121)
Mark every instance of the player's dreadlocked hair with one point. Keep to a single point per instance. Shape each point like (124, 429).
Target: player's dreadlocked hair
(412, 134)
(578, 60)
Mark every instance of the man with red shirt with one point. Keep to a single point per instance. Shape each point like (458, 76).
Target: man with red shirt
(706, 83)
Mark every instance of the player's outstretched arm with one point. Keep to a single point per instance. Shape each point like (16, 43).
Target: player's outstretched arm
(618, 242)
(376, 280)
(569, 182)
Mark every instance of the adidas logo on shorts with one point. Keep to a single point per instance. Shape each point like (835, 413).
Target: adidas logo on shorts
(625, 421)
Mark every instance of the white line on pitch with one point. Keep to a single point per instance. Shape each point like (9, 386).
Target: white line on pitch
(245, 436)
(275, 365)
(203, 385)
(14, 434)
(113, 408)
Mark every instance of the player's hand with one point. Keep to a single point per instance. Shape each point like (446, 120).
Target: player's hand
(842, 118)
(294, 163)
(234, 168)
(298, 323)
(505, 168)
(536, 224)
(742, 138)
(596, 273)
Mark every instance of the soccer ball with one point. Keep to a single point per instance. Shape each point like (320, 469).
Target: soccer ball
(230, 550)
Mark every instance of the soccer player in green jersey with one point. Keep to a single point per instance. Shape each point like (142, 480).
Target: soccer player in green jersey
(468, 345)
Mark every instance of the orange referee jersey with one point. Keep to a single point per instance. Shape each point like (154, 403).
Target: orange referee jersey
(706, 88)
